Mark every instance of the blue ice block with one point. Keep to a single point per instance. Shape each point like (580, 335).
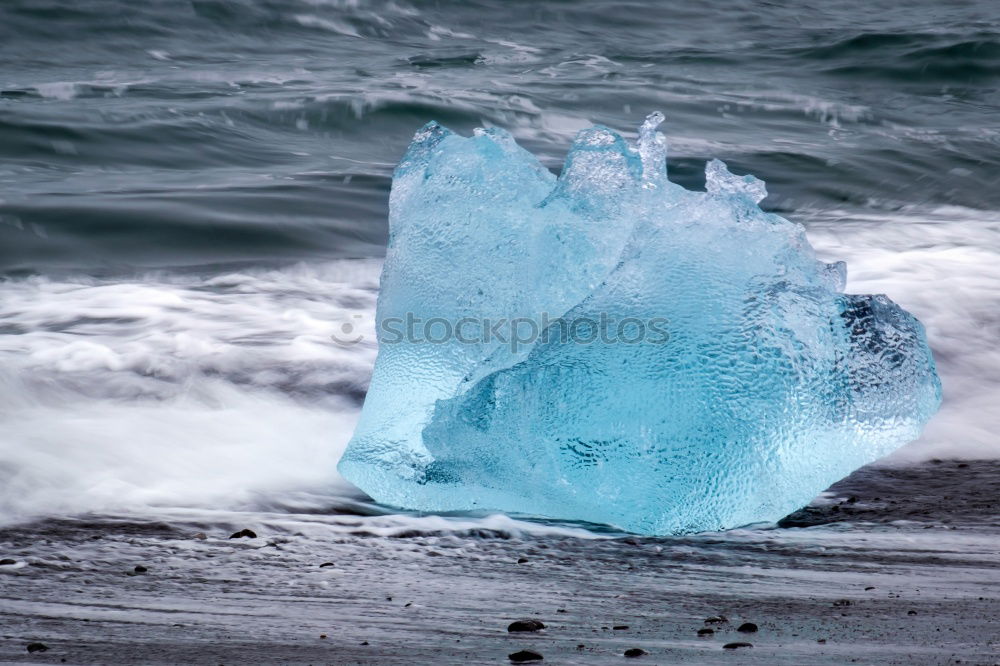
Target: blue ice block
(611, 347)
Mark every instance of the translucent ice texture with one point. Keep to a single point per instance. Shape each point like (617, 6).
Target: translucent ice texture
(732, 382)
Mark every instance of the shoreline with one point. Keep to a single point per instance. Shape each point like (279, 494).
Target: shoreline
(909, 578)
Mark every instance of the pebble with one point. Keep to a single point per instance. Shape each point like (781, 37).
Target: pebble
(747, 628)
(37, 647)
(635, 652)
(523, 656)
(525, 625)
(7, 561)
(734, 646)
(140, 569)
(706, 632)
(326, 564)
(249, 534)
(620, 627)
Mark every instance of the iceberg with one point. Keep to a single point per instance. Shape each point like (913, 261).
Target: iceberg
(608, 346)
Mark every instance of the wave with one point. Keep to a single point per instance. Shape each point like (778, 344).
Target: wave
(223, 390)
(305, 215)
(174, 390)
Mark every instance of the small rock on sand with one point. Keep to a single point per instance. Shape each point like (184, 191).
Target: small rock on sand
(7, 562)
(735, 646)
(706, 632)
(249, 534)
(635, 652)
(747, 628)
(523, 656)
(37, 647)
(525, 625)
(140, 569)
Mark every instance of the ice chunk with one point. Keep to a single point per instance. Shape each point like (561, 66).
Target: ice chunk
(614, 348)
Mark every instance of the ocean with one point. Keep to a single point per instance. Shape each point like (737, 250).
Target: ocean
(193, 199)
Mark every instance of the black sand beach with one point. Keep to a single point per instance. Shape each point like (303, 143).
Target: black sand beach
(892, 566)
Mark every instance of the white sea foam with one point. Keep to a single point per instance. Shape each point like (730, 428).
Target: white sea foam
(331, 24)
(62, 90)
(178, 390)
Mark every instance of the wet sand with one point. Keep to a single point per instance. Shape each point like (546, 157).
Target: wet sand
(891, 566)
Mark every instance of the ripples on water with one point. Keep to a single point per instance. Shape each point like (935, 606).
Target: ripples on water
(193, 194)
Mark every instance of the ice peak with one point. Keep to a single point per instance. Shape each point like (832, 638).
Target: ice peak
(600, 163)
(653, 151)
(720, 180)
